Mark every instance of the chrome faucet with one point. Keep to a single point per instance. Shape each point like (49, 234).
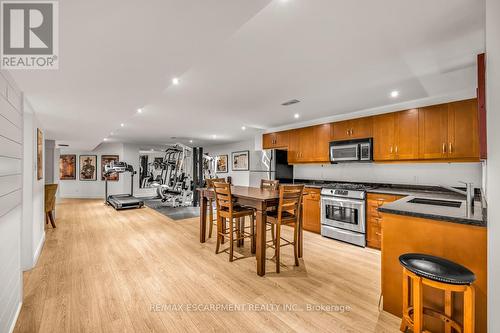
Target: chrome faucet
(468, 193)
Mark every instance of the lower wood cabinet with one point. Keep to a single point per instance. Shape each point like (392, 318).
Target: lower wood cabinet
(311, 211)
(374, 217)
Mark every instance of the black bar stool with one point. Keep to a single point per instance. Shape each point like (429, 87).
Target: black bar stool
(436, 272)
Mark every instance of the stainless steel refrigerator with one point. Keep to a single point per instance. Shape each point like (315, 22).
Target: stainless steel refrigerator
(270, 164)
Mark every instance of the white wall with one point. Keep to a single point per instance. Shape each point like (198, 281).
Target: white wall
(92, 189)
(11, 153)
(241, 178)
(33, 231)
(95, 189)
(493, 171)
(400, 173)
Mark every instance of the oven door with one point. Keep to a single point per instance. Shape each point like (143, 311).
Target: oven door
(344, 152)
(343, 213)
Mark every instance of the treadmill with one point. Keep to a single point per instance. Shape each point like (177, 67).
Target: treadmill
(121, 201)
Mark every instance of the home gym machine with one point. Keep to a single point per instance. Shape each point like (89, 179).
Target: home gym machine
(176, 188)
(121, 201)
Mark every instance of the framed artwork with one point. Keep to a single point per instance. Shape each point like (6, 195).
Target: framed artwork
(107, 159)
(241, 160)
(39, 154)
(67, 167)
(221, 164)
(88, 167)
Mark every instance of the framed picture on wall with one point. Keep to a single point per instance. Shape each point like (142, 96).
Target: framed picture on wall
(67, 167)
(241, 160)
(221, 164)
(107, 159)
(88, 167)
(39, 154)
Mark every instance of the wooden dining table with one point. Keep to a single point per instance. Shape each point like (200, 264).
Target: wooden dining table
(253, 197)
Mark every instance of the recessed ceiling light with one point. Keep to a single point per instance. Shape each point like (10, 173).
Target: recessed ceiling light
(243, 128)
(394, 93)
(139, 110)
(105, 139)
(214, 136)
(296, 116)
(122, 125)
(175, 80)
(190, 141)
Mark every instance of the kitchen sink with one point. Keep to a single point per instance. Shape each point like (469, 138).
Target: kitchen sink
(436, 202)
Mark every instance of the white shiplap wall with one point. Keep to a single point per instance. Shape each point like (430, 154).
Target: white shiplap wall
(11, 148)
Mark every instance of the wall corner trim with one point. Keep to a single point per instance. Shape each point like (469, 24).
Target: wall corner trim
(14, 319)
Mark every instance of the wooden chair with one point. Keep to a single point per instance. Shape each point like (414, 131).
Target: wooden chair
(288, 213)
(50, 203)
(210, 184)
(269, 184)
(232, 214)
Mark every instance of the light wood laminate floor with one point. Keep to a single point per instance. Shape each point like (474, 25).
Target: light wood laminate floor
(107, 271)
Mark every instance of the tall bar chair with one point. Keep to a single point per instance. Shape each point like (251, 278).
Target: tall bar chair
(210, 184)
(288, 213)
(267, 184)
(230, 212)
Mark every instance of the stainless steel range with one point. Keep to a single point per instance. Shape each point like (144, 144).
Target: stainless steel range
(343, 213)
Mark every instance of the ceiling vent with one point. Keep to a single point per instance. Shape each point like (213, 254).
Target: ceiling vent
(290, 102)
(63, 145)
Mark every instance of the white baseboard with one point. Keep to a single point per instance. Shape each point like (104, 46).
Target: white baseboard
(76, 196)
(16, 315)
(38, 249)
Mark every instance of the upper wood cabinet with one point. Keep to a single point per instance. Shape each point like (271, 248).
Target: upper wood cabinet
(433, 128)
(275, 140)
(310, 144)
(353, 129)
(449, 131)
(444, 132)
(395, 136)
(463, 132)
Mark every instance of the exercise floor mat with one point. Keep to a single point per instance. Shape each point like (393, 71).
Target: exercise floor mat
(175, 213)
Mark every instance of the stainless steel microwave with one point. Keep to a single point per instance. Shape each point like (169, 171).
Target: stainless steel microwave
(359, 150)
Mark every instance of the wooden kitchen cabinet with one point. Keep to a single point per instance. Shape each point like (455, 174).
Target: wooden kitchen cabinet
(384, 137)
(449, 131)
(275, 140)
(310, 144)
(433, 127)
(374, 217)
(311, 211)
(445, 132)
(463, 130)
(353, 129)
(396, 135)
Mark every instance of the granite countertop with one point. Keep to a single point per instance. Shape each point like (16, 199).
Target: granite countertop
(403, 207)
(441, 213)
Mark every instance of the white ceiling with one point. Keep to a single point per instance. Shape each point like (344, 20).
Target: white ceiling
(238, 60)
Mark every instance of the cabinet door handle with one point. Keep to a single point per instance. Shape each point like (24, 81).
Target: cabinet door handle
(352, 132)
(444, 148)
(450, 146)
(391, 149)
(396, 149)
(347, 132)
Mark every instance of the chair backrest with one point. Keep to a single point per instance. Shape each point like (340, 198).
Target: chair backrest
(211, 181)
(269, 184)
(50, 197)
(223, 197)
(290, 200)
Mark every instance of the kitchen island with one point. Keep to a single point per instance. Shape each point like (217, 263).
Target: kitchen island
(439, 231)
